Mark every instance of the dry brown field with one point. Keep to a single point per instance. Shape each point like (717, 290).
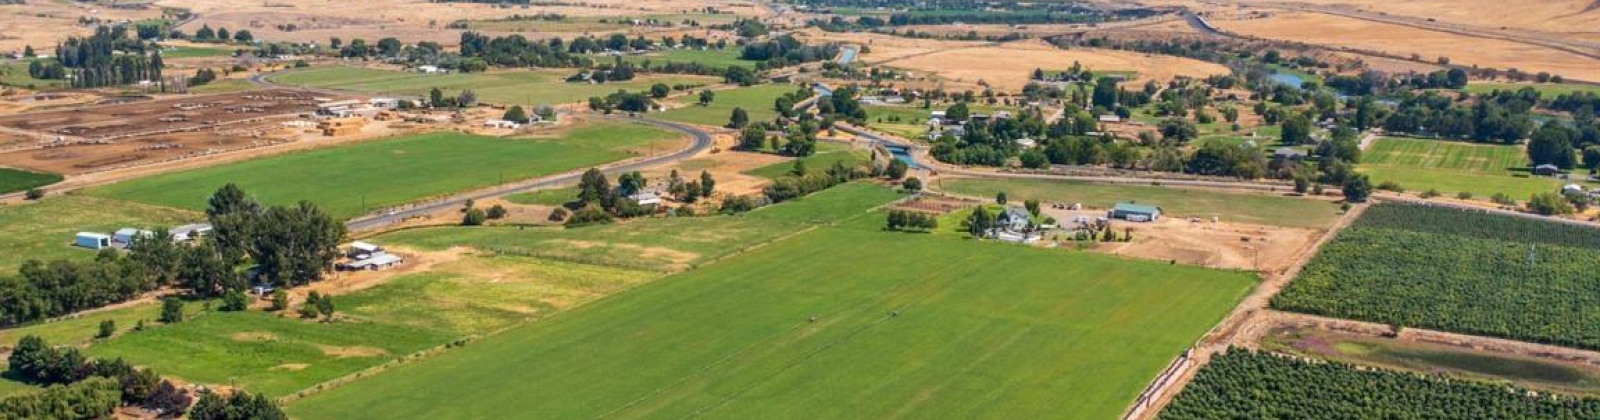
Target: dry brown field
(182, 113)
(98, 138)
(42, 24)
(1007, 67)
(408, 20)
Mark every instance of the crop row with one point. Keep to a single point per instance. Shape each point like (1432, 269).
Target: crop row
(1244, 384)
(1540, 293)
(1477, 224)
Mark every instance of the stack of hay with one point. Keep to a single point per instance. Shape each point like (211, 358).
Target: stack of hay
(341, 126)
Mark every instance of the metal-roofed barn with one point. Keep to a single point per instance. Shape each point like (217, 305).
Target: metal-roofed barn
(1135, 212)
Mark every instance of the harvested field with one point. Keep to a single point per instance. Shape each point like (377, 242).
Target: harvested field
(978, 64)
(45, 23)
(1403, 40)
(887, 47)
(1571, 18)
(538, 87)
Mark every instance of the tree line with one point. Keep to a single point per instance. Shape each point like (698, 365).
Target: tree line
(79, 387)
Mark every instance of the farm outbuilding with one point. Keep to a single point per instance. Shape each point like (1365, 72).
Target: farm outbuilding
(91, 240)
(1135, 212)
(125, 235)
(1546, 169)
(190, 232)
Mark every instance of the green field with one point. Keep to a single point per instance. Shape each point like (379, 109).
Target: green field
(13, 180)
(198, 52)
(1546, 90)
(350, 180)
(223, 86)
(545, 197)
(1453, 167)
(1182, 202)
(530, 87)
(715, 58)
(44, 230)
(282, 355)
(844, 321)
(756, 100)
(912, 123)
(827, 155)
(666, 244)
(15, 73)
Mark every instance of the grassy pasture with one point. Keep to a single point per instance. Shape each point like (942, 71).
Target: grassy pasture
(665, 244)
(827, 155)
(15, 73)
(756, 100)
(912, 326)
(44, 230)
(263, 352)
(1546, 90)
(350, 180)
(531, 87)
(198, 52)
(13, 180)
(1453, 167)
(912, 121)
(546, 197)
(1233, 207)
(723, 58)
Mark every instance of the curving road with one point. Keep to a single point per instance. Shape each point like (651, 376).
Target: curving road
(701, 142)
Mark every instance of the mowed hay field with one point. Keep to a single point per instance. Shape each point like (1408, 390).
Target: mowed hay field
(1182, 202)
(1008, 66)
(531, 87)
(1452, 167)
(905, 325)
(757, 101)
(44, 230)
(727, 57)
(1403, 40)
(349, 180)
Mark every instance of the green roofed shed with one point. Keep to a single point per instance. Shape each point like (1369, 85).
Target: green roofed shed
(1135, 212)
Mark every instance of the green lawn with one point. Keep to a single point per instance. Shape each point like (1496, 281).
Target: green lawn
(13, 180)
(841, 322)
(756, 100)
(351, 180)
(530, 87)
(715, 58)
(44, 230)
(1182, 202)
(661, 244)
(1452, 167)
(1546, 90)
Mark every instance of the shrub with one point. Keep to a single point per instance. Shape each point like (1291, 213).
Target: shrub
(280, 300)
(1464, 195)
(234, 300)
(171, 310)
(497, 212)
(107, 329)
(558, 215)
(1430, 193)
(474, 217)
